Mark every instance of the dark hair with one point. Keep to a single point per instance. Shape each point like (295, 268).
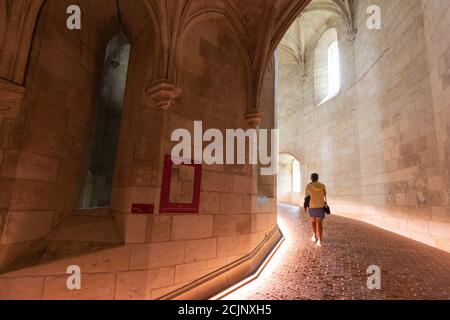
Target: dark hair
(315, 177)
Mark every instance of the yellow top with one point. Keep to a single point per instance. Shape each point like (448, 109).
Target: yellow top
(317, 191)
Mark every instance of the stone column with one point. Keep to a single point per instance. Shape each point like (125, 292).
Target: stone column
(11, 96)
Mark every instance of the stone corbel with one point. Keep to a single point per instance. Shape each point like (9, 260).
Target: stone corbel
(163, 94)
(253, 119)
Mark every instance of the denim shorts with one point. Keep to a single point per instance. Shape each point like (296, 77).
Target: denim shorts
(316, 213)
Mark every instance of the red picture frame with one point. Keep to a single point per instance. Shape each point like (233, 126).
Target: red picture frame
(178, 208)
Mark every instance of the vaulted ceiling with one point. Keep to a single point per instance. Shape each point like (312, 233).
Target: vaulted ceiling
(305, 31)
(259, 24)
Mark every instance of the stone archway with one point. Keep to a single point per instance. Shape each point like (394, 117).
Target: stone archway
(46, 164)
(60, 83)
(290, 182)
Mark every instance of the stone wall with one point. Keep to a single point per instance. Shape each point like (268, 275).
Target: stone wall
(436, 16)
(43, 157)
(159, 253)
(379, 144)
(232, 222)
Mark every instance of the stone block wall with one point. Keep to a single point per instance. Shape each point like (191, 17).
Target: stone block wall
(232, 221)
(43, 156)
(377, 145)
(436, 16)
(160, 252)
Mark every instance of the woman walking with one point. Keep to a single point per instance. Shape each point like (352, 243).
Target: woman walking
(316, 192)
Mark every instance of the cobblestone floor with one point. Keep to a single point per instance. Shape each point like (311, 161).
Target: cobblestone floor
(301, 270)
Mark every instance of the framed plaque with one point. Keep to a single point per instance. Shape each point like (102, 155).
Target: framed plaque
(180, 191)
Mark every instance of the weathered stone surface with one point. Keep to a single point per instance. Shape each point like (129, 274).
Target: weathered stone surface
(159, 228)
(154, 255)
(21, 289)
(191, 227)
(93, 287)
(137, 285)
(26, 226)
(36, 167)
(201, 250)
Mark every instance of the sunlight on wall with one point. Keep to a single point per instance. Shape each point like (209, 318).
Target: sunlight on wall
(296, 183)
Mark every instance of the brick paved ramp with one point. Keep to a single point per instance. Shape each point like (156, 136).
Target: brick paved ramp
(300, 270)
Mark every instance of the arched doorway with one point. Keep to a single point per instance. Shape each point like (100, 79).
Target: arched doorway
(289, 181)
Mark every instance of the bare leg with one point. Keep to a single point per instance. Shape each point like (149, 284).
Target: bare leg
(314, 226)
(319, 228)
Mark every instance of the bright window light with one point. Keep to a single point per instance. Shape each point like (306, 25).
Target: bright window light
(334, 70)
(296, 176)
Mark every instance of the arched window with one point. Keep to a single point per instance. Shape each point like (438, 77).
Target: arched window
(296, 183)
(327, 70)
(334, 70)
(97, 186)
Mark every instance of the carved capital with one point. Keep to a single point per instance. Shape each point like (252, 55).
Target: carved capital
(164, 94)
(253, 118)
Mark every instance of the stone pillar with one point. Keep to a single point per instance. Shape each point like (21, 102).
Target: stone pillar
(11, 96)
(140, 163)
